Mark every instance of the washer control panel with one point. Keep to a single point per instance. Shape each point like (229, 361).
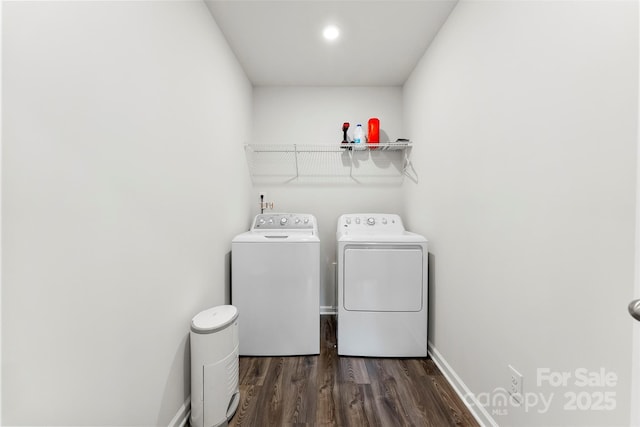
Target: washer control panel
(284, 221)
(380, 223)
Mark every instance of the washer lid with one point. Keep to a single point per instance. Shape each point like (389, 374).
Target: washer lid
(214, 319)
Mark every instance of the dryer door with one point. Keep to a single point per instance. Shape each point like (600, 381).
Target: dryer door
(383, 278)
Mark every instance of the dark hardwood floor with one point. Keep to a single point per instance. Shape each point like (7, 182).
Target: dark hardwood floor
(328, 390)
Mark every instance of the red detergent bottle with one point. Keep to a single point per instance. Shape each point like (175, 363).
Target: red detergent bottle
(373, 134)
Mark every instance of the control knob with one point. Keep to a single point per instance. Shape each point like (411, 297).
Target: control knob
(371, 221)
(283, 221)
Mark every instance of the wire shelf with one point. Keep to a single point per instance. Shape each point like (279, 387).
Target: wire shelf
(365, 163)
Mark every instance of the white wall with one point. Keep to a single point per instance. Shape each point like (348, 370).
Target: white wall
(1, 115)
(121, 119)
(314, 115)
(525, 116)
(635, 368)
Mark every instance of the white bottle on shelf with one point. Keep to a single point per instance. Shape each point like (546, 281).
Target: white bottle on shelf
(358, 135)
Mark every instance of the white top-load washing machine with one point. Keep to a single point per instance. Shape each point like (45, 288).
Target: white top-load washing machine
(382, 287)
(275, 284)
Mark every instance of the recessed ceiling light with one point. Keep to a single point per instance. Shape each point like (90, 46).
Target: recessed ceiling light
(330, 32)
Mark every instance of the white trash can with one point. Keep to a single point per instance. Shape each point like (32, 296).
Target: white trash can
(214, 366)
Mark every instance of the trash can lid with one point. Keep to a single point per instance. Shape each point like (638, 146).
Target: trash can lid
(214, 319)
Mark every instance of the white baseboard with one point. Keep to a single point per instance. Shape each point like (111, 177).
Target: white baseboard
(328, 309)
(181, 419)
(471, 402)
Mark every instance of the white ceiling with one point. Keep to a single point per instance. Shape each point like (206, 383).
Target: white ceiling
(281, 43)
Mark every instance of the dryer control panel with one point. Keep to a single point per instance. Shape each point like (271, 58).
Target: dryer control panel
(284, 221)
(366, 223)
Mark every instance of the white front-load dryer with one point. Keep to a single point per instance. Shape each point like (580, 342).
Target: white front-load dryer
(275, 285)
(382, 287)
